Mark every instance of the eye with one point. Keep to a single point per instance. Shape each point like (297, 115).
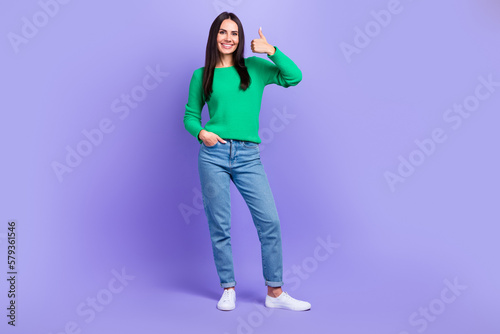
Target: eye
(235, 34)
(221, 32)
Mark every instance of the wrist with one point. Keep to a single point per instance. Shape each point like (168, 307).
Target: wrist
(201, 134)
(272, 51)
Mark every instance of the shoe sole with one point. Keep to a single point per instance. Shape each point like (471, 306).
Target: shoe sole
(286, 308)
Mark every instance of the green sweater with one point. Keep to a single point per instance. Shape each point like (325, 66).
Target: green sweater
(234, 113)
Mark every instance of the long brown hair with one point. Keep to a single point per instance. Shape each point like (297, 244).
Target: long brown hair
(212, 55)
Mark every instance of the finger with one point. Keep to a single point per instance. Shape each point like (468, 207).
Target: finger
(261, 34)
(221, 140)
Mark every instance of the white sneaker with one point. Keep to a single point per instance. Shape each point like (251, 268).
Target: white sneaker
(287, 302)
(228, 300)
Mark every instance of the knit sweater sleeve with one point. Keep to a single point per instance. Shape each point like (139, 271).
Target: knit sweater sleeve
(194, 106)
(284, 72)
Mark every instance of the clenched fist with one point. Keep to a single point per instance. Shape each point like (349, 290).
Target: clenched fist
(260, 45)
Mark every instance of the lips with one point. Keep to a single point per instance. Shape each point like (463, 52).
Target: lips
(227, 46)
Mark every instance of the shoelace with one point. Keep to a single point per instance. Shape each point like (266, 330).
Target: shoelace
(225, 295)
(288, 297)
(284, 295)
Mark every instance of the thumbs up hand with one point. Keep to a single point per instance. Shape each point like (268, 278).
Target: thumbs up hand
(260, 45)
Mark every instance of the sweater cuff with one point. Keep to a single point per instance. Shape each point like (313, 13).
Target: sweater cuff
(197, 138)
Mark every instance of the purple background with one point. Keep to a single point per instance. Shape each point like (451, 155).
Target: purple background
(120, 207)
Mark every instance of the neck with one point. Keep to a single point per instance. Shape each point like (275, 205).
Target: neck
(225, 61)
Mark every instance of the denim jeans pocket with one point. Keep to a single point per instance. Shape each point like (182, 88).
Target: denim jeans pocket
(250, 144)
(203, 143)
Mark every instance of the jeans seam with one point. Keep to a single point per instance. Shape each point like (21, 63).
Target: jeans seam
(249, 146)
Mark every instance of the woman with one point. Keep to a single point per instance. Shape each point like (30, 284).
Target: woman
(232, 86)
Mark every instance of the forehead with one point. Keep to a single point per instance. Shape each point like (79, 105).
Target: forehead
(229, 25)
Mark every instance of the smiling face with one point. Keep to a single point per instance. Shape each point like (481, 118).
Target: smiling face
(228, 37)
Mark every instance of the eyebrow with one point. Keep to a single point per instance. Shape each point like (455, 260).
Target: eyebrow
(226, 30)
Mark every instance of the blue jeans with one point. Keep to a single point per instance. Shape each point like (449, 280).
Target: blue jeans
(239, 161)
